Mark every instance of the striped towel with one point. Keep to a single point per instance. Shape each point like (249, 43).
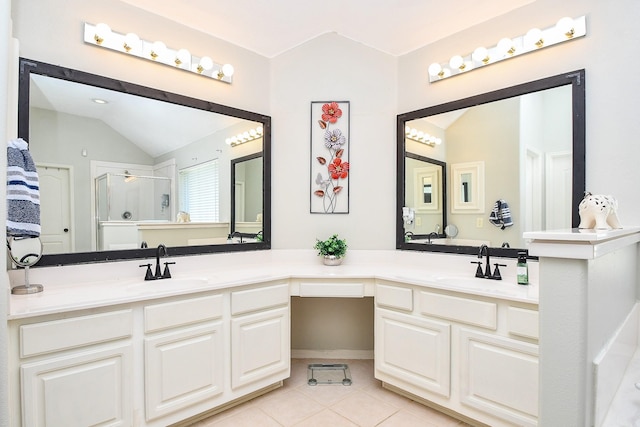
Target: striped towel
(23, 191)
(500, 216)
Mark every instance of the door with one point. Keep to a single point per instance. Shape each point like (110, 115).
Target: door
(267, 331)
(558, 190)
(88, 388)
(414, 350)
(183, 367)
(55, 200)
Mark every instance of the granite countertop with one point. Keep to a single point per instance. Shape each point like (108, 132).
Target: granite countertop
(69, 288)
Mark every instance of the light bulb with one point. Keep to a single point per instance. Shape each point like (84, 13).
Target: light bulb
(102, 31)
(205, 64)
(435, 70)
(157, 50)
(566, 27)
(506, 46)
(438, 141)
(227, 70)
(407, 129)
(183, 56)
(456, 62)
(131, 41)
(260, 130)
(534, 38)
(481, 54)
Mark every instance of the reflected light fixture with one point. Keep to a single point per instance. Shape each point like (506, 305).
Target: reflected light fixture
(422, 137)
(246, 136)
(102, 35)
(535, 39)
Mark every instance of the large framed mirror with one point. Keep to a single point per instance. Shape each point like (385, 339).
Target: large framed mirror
(123, 167)
(514, 161)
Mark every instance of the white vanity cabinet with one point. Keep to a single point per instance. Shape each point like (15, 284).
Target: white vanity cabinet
(410, 350)
(184, 349)
(474, 355)
(74, 371)
(260, 335)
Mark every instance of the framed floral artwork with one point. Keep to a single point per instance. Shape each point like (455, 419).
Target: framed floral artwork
(330, 166)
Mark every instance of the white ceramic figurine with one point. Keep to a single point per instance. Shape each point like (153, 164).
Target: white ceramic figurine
(599, 212)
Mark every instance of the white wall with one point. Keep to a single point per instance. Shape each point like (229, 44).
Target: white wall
(333, 68)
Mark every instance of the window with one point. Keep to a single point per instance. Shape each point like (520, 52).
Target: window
(199, 191)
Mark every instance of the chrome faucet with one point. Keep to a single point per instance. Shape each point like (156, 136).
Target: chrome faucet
(161, 251)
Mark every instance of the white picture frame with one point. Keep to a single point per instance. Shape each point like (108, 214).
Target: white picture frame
(467, 184)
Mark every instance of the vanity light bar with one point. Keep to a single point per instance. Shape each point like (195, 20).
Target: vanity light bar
(101, 35)
(566, 29)
(247, 136)
(422, 137)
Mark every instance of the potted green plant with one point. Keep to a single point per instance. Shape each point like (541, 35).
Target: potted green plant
(332, 250)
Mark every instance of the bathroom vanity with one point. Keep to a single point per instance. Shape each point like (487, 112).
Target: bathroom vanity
(160, 352)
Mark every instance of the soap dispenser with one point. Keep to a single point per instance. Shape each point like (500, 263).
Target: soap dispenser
(522, 269)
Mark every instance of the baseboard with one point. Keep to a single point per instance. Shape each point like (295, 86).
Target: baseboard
(611, 364)
(331, 354)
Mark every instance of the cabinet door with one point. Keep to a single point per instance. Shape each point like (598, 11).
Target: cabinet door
(88, 388)
(182, 368)
(414, 350)
(260, 347)
(499, 376)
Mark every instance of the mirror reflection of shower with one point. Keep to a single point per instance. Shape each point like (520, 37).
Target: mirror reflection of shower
(124, 199)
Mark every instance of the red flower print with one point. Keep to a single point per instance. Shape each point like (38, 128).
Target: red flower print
(338, 169)
(331, 112)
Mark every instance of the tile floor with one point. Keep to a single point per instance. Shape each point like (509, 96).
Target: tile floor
(364, 403)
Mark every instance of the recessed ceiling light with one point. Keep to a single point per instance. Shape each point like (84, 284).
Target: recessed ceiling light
(99, 101)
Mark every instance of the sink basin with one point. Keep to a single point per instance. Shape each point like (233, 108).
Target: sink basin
(167, 284)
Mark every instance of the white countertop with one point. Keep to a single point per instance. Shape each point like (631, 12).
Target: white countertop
(86, 286)
(578, 243)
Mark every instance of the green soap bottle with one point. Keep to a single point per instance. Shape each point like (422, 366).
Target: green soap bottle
(522, 269)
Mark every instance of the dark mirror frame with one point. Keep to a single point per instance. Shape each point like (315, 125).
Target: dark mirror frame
(234, 162)
(575, 78)
(28, 66)
(443, 190)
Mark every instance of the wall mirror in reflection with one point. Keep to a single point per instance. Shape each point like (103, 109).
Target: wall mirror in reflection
(125, 167)
(517, 153)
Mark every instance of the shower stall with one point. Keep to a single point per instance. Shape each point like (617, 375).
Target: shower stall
(124, 201)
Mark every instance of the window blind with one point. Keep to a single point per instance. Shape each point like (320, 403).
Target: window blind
(199, 191)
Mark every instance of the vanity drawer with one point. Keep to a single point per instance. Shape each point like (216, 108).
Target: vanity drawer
(522, 322)
(335, 290)
(471, 312)
(393, 296)
(57, 335)
(179, 313)
(259, 298)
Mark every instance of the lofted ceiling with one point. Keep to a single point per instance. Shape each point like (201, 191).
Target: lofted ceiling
(271, 27)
